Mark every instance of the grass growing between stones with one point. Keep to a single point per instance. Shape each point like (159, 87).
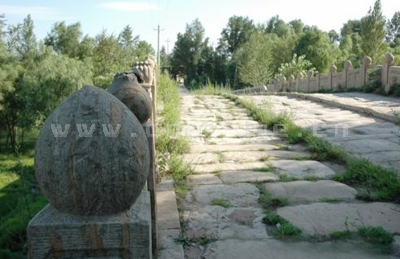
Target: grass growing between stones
(373, 182)
(281, 228)
(211, 89)
(187, 241)
(376, 236)
(169, 144)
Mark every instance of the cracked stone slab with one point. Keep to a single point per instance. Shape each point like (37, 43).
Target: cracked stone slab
(325, 218)
(224, 223)
(262, 155)
(240, 194)
(306, 191)
(210, 168)
(170, 248)
(302, 169)
(204, 179)
(277, 249)
(230, 148)
(205, 158)
(247, 176)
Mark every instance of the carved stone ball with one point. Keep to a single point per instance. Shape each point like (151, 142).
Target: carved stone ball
(92, 155)
(128, 90)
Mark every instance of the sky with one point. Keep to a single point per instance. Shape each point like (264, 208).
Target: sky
(144, 16)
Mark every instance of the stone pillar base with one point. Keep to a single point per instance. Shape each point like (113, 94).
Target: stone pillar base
(126, 235)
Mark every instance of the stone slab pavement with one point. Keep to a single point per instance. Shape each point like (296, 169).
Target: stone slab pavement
(384, 107)
(363, 135)
(221, 215)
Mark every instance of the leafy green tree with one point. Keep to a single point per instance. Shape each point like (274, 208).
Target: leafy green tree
(350, 47)
(350, 27)
(27, 45)
(126, 37)
(188, 50)
(317, 48)
(237, 32)
(298, 65)
(143, 49)
(333, 36)
(106, 59)
(65, 39)
(373, 33)
(297, 26)
(254, 60)
(46, 84)
(393, 30)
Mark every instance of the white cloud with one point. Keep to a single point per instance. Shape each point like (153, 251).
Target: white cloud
(37, 12)
(132, 7)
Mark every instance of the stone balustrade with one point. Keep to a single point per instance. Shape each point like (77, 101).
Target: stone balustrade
(95, 162)
(348, 77)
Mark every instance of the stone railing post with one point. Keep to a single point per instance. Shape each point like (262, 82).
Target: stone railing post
(298, 81)
(94, 179)
(347, 66)
(283, 81)
(149, 70)
(310, 74)
(366, 62)
(291, 82)
(332, 71)
(389, 61)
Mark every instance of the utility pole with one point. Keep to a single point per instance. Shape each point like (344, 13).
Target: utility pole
(158, 45)
(167, 41)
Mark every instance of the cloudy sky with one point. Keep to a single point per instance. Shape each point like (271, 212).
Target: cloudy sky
(172, 15)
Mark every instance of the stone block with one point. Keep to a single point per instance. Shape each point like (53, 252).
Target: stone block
(54, 234)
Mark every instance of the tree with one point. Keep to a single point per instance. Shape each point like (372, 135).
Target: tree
(373, 33)
(350, 27)
(65, 39)
(393, 30)
(298, 65)
(188, 50)
(317, 48)
(254, 60)
(236, 33)
(107, 59)
(333, 36)
(126, 38)
(27, 40)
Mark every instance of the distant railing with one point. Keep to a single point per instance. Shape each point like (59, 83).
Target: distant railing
(348, 77)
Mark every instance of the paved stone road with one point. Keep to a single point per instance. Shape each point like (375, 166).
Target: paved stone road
(375, 139)
(221, 214)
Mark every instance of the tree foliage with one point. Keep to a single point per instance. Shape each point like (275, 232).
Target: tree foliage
(316, 46)
(254, 60)
(373, 33)
(36, 77)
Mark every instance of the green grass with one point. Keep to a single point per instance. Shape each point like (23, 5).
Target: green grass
(283, 229)
(187, 241)
(211, 89)
(340, 235)
(206, 133)
(169, 144)
(377, 236)
(264, 158)
(374, 182)
(20, 200)
(222, 203)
